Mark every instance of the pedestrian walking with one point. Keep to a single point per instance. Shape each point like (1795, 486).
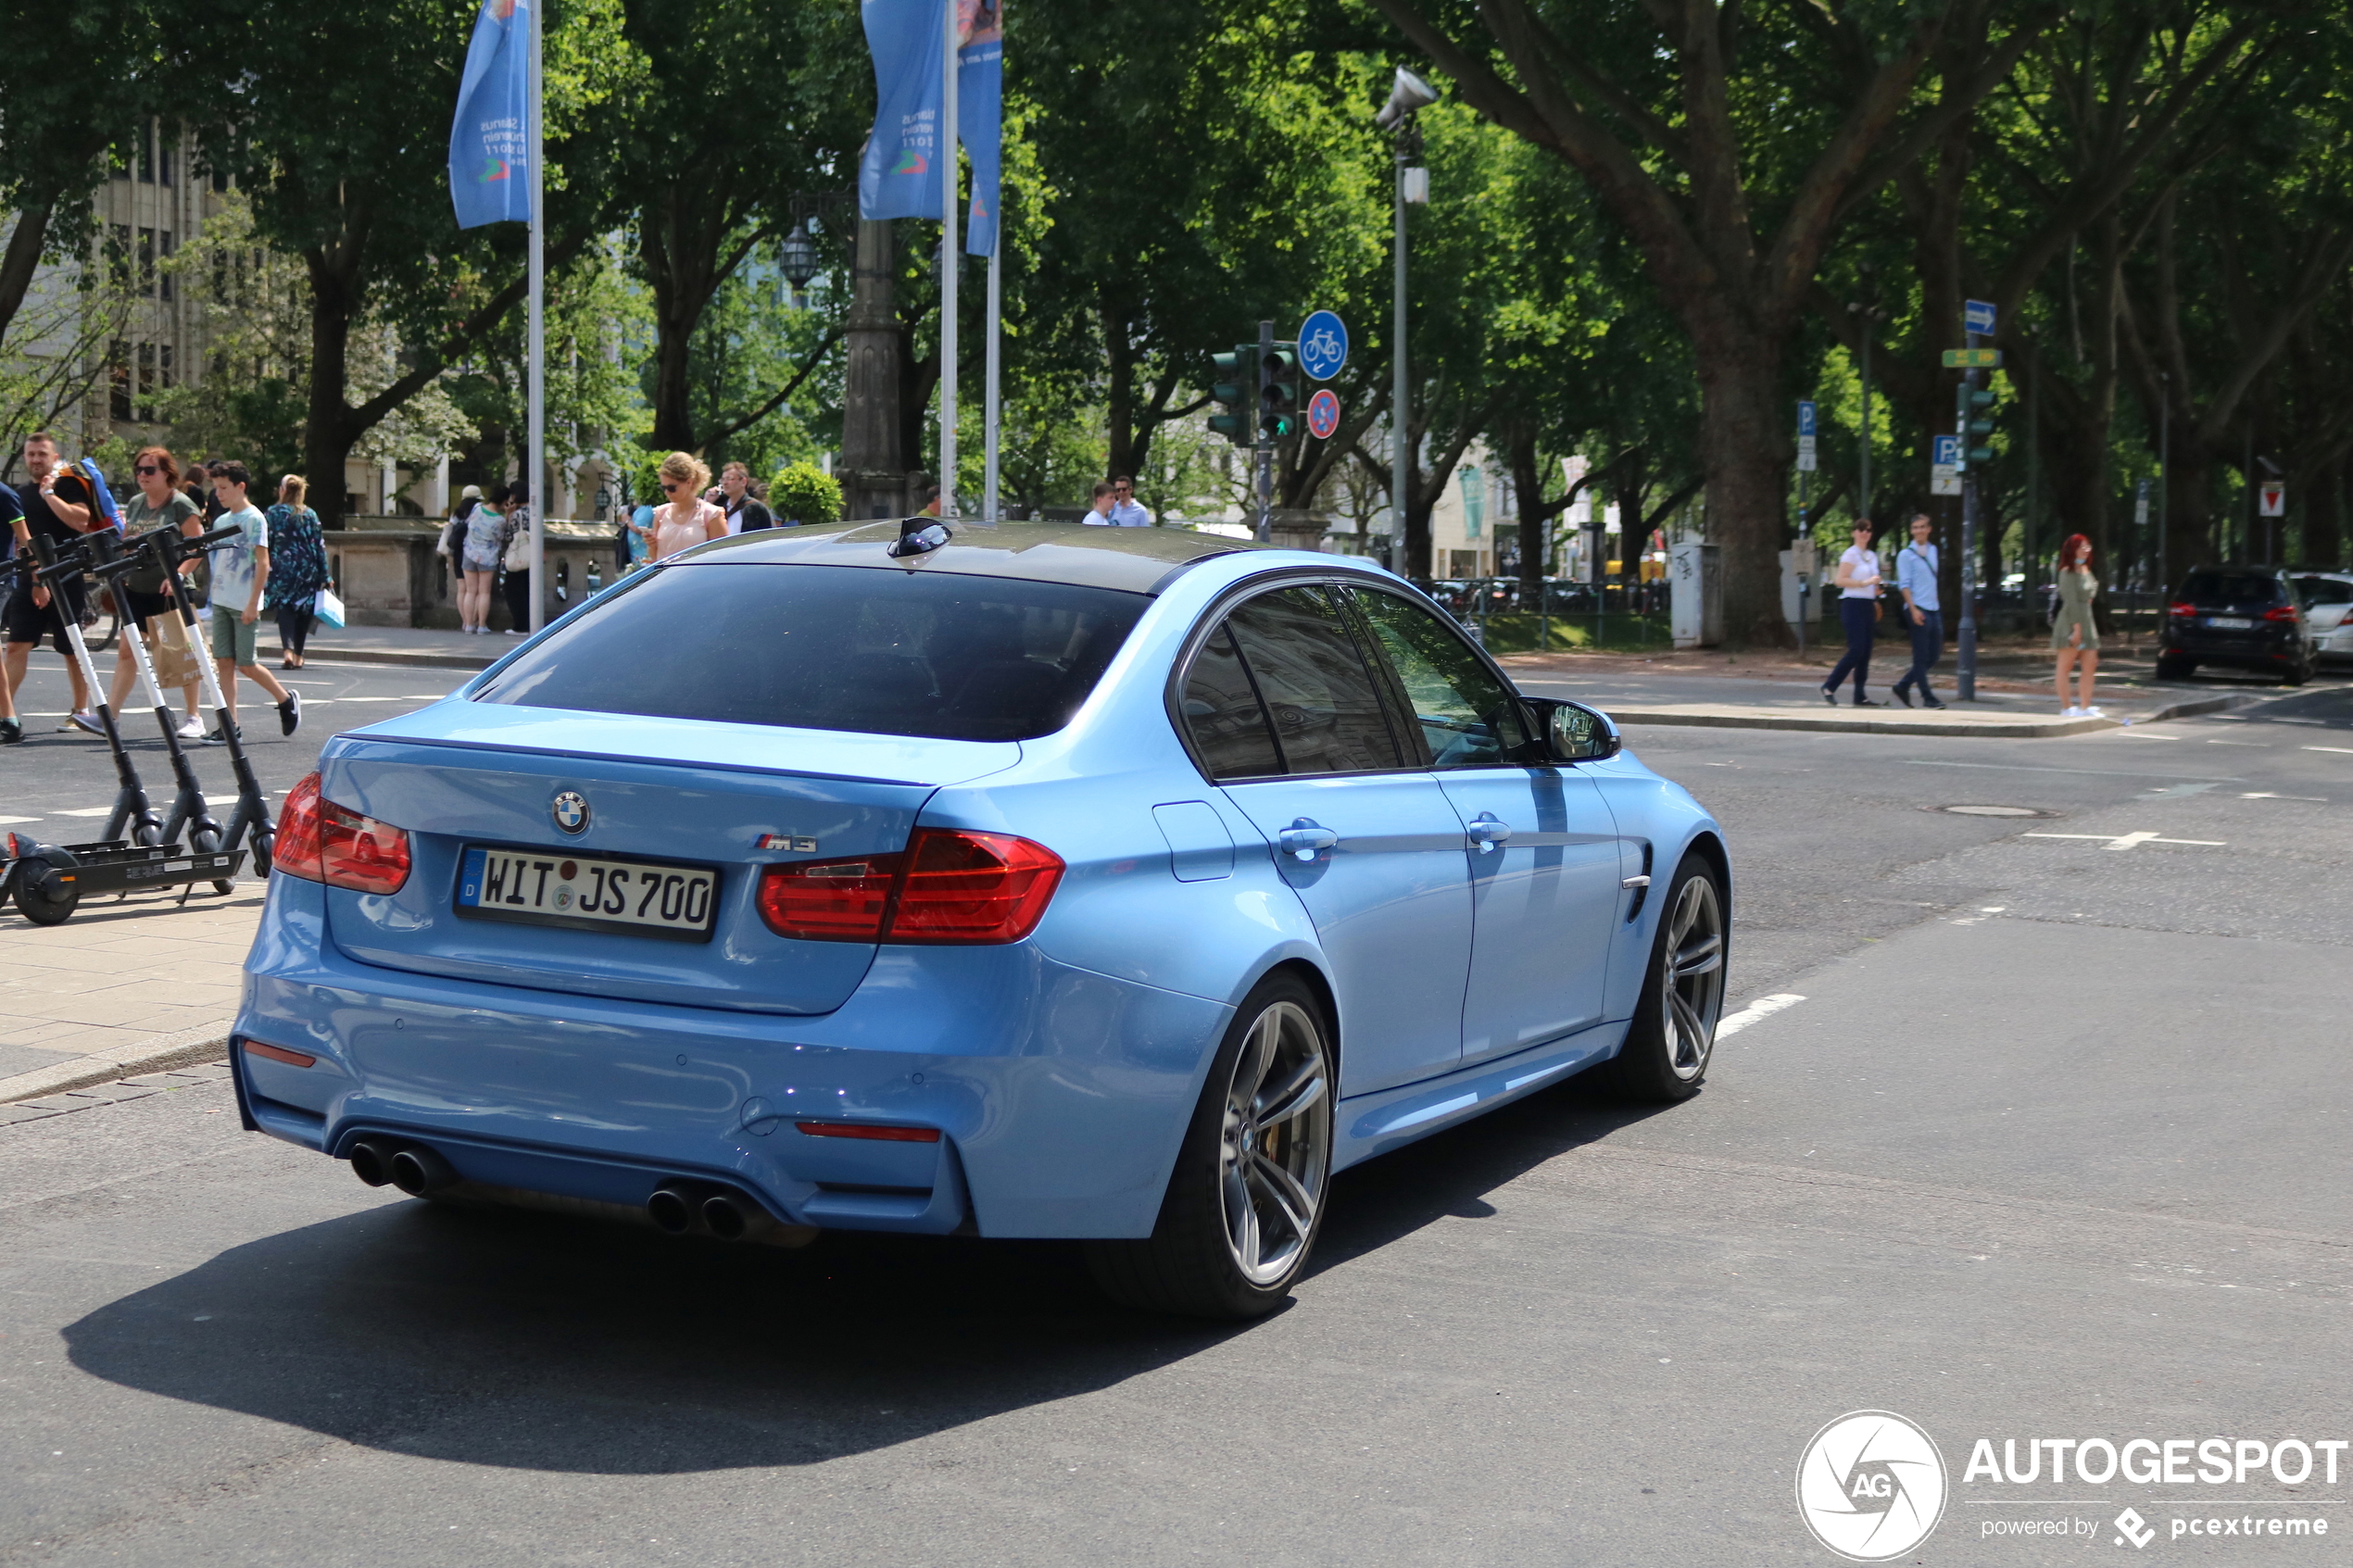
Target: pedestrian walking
(1099, 511)
(1916, 565)
(745, 510)
(240, 567)
(1125, 511)
(33, 611)
(1857, 582)
(517, 584)
(298, 568)
(485, 544)
(156, 503)
(11, 522)
(686, 519)
(2074, 634)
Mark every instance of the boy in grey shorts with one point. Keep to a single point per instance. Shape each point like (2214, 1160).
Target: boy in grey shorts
(240, 571)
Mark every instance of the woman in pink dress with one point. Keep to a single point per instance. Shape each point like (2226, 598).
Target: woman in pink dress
(685, 519)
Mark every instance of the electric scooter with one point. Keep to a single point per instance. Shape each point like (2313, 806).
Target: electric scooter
(57, 566)
(250, 821)
(188, 808)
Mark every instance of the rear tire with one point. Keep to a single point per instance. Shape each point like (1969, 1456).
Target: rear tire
(1245, 1202)
(45, 908)
(1673, 1035)
(2169, 667)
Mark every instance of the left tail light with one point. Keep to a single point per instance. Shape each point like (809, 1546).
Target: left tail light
(320, 841)
(2181, 609)
(946, 888)
(2284, 612)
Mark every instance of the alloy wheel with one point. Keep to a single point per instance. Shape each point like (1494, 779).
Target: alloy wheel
(1275, 1149)
(1692, 991)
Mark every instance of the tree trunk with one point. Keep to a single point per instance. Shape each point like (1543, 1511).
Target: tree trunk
(1119, 389)
(1528, 487)
(329, 431)
(1744, 459)
(23, 256)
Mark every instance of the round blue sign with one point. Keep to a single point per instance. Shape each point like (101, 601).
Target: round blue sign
(1323, 345)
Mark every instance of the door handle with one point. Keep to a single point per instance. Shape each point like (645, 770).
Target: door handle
(1305, 839)
(1487, 829)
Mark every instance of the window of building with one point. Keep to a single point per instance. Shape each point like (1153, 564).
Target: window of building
(145, 405)
(118, 381)
(1473, 502)
(118, 254)
(147, 262)
(167, 149)
(163, 250)
(146, 153)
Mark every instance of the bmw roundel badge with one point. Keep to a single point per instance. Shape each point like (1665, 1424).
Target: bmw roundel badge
(569, 808)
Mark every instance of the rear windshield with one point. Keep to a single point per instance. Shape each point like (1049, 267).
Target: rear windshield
(831, 648)
(2234, 588)
(2326, 590)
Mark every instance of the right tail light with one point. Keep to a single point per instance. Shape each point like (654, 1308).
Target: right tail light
(947, 887)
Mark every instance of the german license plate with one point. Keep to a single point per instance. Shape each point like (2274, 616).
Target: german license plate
(590, 893)
(2229, 623)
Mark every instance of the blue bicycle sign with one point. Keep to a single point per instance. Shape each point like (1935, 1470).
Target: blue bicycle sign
(1323, 345)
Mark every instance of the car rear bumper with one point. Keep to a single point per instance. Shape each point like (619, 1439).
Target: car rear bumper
(2238, 650)
(1060, 1094)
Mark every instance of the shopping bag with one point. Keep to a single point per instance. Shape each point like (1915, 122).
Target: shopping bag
(167, 648)
(328, 607)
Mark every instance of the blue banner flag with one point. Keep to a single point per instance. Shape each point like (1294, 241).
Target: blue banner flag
(980, 114)
(489, 141)
(898, 175)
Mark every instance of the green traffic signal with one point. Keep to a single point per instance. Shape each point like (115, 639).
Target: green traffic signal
(1279, 391)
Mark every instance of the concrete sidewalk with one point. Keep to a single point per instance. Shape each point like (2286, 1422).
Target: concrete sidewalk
(133, 985)
(392, 645)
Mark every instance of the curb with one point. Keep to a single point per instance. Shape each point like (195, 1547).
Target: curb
(2046, 730)
(384, 656)
(205, 1042)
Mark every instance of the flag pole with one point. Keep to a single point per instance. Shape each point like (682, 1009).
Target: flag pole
(535, 469)
(989, 510)
(946, 143)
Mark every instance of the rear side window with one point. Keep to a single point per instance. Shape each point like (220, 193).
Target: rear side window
(2234, 588)
(2326, 590)
(1223, 714)
(1295, 650)
(831, 648)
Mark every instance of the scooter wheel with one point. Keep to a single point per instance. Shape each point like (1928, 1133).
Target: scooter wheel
(263, 843)
(43, 899)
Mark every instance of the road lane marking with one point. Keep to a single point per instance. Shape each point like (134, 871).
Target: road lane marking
(2127, 840)
(2258, 745)
(2267, 795)
(11, 822)
(2029, 768)
(85, 811)
(1762, 1008)
(2344, 750)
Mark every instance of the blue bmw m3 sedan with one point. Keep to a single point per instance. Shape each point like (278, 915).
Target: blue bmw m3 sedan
(1043, 881)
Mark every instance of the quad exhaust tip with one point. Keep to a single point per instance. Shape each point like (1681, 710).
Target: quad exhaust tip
(372, 1161)
(413, 1168)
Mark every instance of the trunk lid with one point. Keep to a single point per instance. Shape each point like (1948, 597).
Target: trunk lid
(461, 774)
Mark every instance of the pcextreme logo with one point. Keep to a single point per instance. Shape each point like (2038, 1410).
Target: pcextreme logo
(1871, 1485)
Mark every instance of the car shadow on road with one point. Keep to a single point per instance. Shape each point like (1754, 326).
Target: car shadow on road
(1448, 1176)
(530, 1341)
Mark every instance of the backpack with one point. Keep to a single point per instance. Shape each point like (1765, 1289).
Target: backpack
(80, 484)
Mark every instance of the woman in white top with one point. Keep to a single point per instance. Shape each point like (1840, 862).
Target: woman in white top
(686, 519)
(1858, 584)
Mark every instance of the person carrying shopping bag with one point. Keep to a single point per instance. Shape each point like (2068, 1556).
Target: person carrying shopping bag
(298, 568)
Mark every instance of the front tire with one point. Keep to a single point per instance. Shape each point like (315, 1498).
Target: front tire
(54, 903)
(1673, 1035)
(1246, 1201)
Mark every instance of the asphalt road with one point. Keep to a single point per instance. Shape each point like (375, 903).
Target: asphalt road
(52, 776)
(2052, 1147)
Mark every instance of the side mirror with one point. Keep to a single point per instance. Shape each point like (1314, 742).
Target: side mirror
(1574, 732)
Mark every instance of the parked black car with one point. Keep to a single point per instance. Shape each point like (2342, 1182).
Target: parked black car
(2238, 617)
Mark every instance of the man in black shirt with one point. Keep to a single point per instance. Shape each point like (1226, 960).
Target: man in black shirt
(11, 511)
(745, 511)
(57, 504)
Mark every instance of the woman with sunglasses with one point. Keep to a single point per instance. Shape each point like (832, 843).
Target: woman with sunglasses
(688, 519)
(157, 503)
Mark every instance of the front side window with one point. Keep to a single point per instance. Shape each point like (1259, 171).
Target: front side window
(1318, 695)
(1467, 716)
(829, 647)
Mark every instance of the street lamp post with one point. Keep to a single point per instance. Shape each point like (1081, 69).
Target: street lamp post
(1407, 95)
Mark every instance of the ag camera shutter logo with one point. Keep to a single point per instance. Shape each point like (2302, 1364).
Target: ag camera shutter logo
(1871, 1485)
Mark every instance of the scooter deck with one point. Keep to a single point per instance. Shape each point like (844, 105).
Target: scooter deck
(117, 866)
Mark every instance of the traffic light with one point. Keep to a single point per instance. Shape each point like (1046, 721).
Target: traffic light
(1975, 423)
(1235, 386)
(1279, 391)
